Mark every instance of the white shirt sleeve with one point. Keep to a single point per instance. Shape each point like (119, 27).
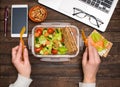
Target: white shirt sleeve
(21, 82)
(86, 84)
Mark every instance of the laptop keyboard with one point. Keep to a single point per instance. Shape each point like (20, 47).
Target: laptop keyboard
(103, 5)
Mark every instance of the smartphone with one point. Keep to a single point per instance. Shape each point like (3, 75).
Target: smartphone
(19, 18)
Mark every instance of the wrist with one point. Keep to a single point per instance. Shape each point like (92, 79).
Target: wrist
(22, 81)
(89, 80)
(27, 76)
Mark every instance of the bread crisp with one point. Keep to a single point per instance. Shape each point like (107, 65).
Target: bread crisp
(102, 45)
(69, 40)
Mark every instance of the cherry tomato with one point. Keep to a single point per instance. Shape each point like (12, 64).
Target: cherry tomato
(38, 31)
(50, 30)
(54, 51)
(37, 50)
(37, 34)
(39, 28)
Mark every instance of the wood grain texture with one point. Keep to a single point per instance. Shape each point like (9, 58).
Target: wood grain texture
(63, 74)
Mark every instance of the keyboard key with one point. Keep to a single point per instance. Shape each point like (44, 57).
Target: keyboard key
(98, 1)
(106, 5)
(83, 0)
(104, 8)
(100, 8)
(109, 2)
(92, 3)
(88, 1)
(103, 5)
(96, 5)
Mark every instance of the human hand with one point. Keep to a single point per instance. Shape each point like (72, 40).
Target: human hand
(90, 63)
(22, 64)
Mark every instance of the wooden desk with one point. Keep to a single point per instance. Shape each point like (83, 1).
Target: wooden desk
(64, 74)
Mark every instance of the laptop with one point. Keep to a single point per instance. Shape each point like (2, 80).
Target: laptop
(95, 13)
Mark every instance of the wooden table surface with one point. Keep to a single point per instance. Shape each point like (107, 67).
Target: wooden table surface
(62, 74)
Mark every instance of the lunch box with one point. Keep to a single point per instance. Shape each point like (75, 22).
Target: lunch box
(56, 58)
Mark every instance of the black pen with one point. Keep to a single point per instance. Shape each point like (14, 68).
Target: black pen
(5, 21)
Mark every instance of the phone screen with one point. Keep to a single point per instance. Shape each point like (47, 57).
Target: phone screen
(19, 19)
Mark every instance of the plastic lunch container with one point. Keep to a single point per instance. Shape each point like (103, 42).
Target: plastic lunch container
(56, 58)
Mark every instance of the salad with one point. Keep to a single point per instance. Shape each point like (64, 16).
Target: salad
(49, 41)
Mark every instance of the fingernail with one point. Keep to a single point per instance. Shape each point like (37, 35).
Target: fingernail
(25, 49)
(86, 49)
(25, 46)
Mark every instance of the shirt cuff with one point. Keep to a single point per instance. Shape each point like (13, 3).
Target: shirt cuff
(21, 82)
(87, 84)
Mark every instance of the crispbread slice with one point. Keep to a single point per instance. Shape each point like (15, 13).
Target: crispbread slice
(107, 51)
(104, 48)
(69, 40)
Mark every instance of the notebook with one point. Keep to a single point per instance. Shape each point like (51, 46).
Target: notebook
(95, 13)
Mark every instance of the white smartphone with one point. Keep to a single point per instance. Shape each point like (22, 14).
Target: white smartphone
(19, 18)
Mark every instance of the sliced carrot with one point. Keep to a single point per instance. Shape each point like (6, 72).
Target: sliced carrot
(84, 37)
(100, 43)
(46, 53)
(47, 42)
(46, 34)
